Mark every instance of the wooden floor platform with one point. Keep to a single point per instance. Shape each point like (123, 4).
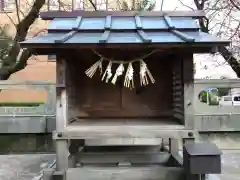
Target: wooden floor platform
(123, 129)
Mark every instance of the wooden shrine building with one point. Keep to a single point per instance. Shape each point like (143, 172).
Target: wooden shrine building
(127, 75)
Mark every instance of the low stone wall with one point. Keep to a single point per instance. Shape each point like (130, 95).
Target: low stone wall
(27, 124)
(216, 118)
(10, 89)
(26, 143)
(217, 123)
(41, 119)
(27, 129)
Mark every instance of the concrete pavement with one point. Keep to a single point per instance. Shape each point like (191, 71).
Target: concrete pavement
(26, 167)
(23, 167)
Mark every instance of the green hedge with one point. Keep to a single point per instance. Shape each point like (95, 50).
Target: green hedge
(20, 104)
(203, 96)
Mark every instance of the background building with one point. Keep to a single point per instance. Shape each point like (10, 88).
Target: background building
(39, 68)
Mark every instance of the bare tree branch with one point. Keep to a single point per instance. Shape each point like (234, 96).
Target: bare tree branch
(93, 5)
(39, 32)
(186, 5)
(162, 5)
(11, 19)
(235, 4)
(224, 24)
(17, 10)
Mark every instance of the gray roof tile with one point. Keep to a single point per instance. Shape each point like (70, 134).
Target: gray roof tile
(121, 23)
(124, 29)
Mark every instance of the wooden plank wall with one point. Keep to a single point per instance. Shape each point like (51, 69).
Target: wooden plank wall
(177, 90)
(91, 98)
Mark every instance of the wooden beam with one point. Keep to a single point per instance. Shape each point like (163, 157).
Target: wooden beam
(168, 21)
(65, 37)
(50, 15)
(104, 37)
(144, 36)
(61, 115)
(108, 22)
(174, 146)
(122, 131)
(45, 49)
(188, 80)
(183, 36)
(138, 23)
(114, 158)
(126, 173)
(177, 33)
(77, 23)
(61, 109)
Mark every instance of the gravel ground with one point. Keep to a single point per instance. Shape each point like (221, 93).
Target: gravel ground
(26, 167)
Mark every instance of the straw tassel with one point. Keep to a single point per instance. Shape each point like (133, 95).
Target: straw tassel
(119, 72)
(144, 71)
(129, 82)
(92, 70)
(145, 75)
(108, 72)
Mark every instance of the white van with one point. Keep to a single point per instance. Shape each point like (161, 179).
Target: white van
(236, 100)
(230, 100)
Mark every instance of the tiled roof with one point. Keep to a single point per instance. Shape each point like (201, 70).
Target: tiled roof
(123, 23)
(138, 29)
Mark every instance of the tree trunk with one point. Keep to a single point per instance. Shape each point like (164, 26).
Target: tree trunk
(232, 61)
(17, 58)
(227, 55)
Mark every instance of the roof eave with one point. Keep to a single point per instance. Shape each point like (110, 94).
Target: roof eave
(203, 47)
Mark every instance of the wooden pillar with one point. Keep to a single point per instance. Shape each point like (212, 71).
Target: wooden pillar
(76, 146)
(61, 115)
(173, 146)
(188, 80)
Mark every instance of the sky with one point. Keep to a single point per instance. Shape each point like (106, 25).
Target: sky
(216, 64)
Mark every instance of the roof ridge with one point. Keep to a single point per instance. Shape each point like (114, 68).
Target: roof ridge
(50, 15)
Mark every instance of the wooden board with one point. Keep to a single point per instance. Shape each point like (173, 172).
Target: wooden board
(114, 158)
(177, 86)
(92, 98)
(100, 131)
(159, 122)
(124, 142)
(108, 173)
